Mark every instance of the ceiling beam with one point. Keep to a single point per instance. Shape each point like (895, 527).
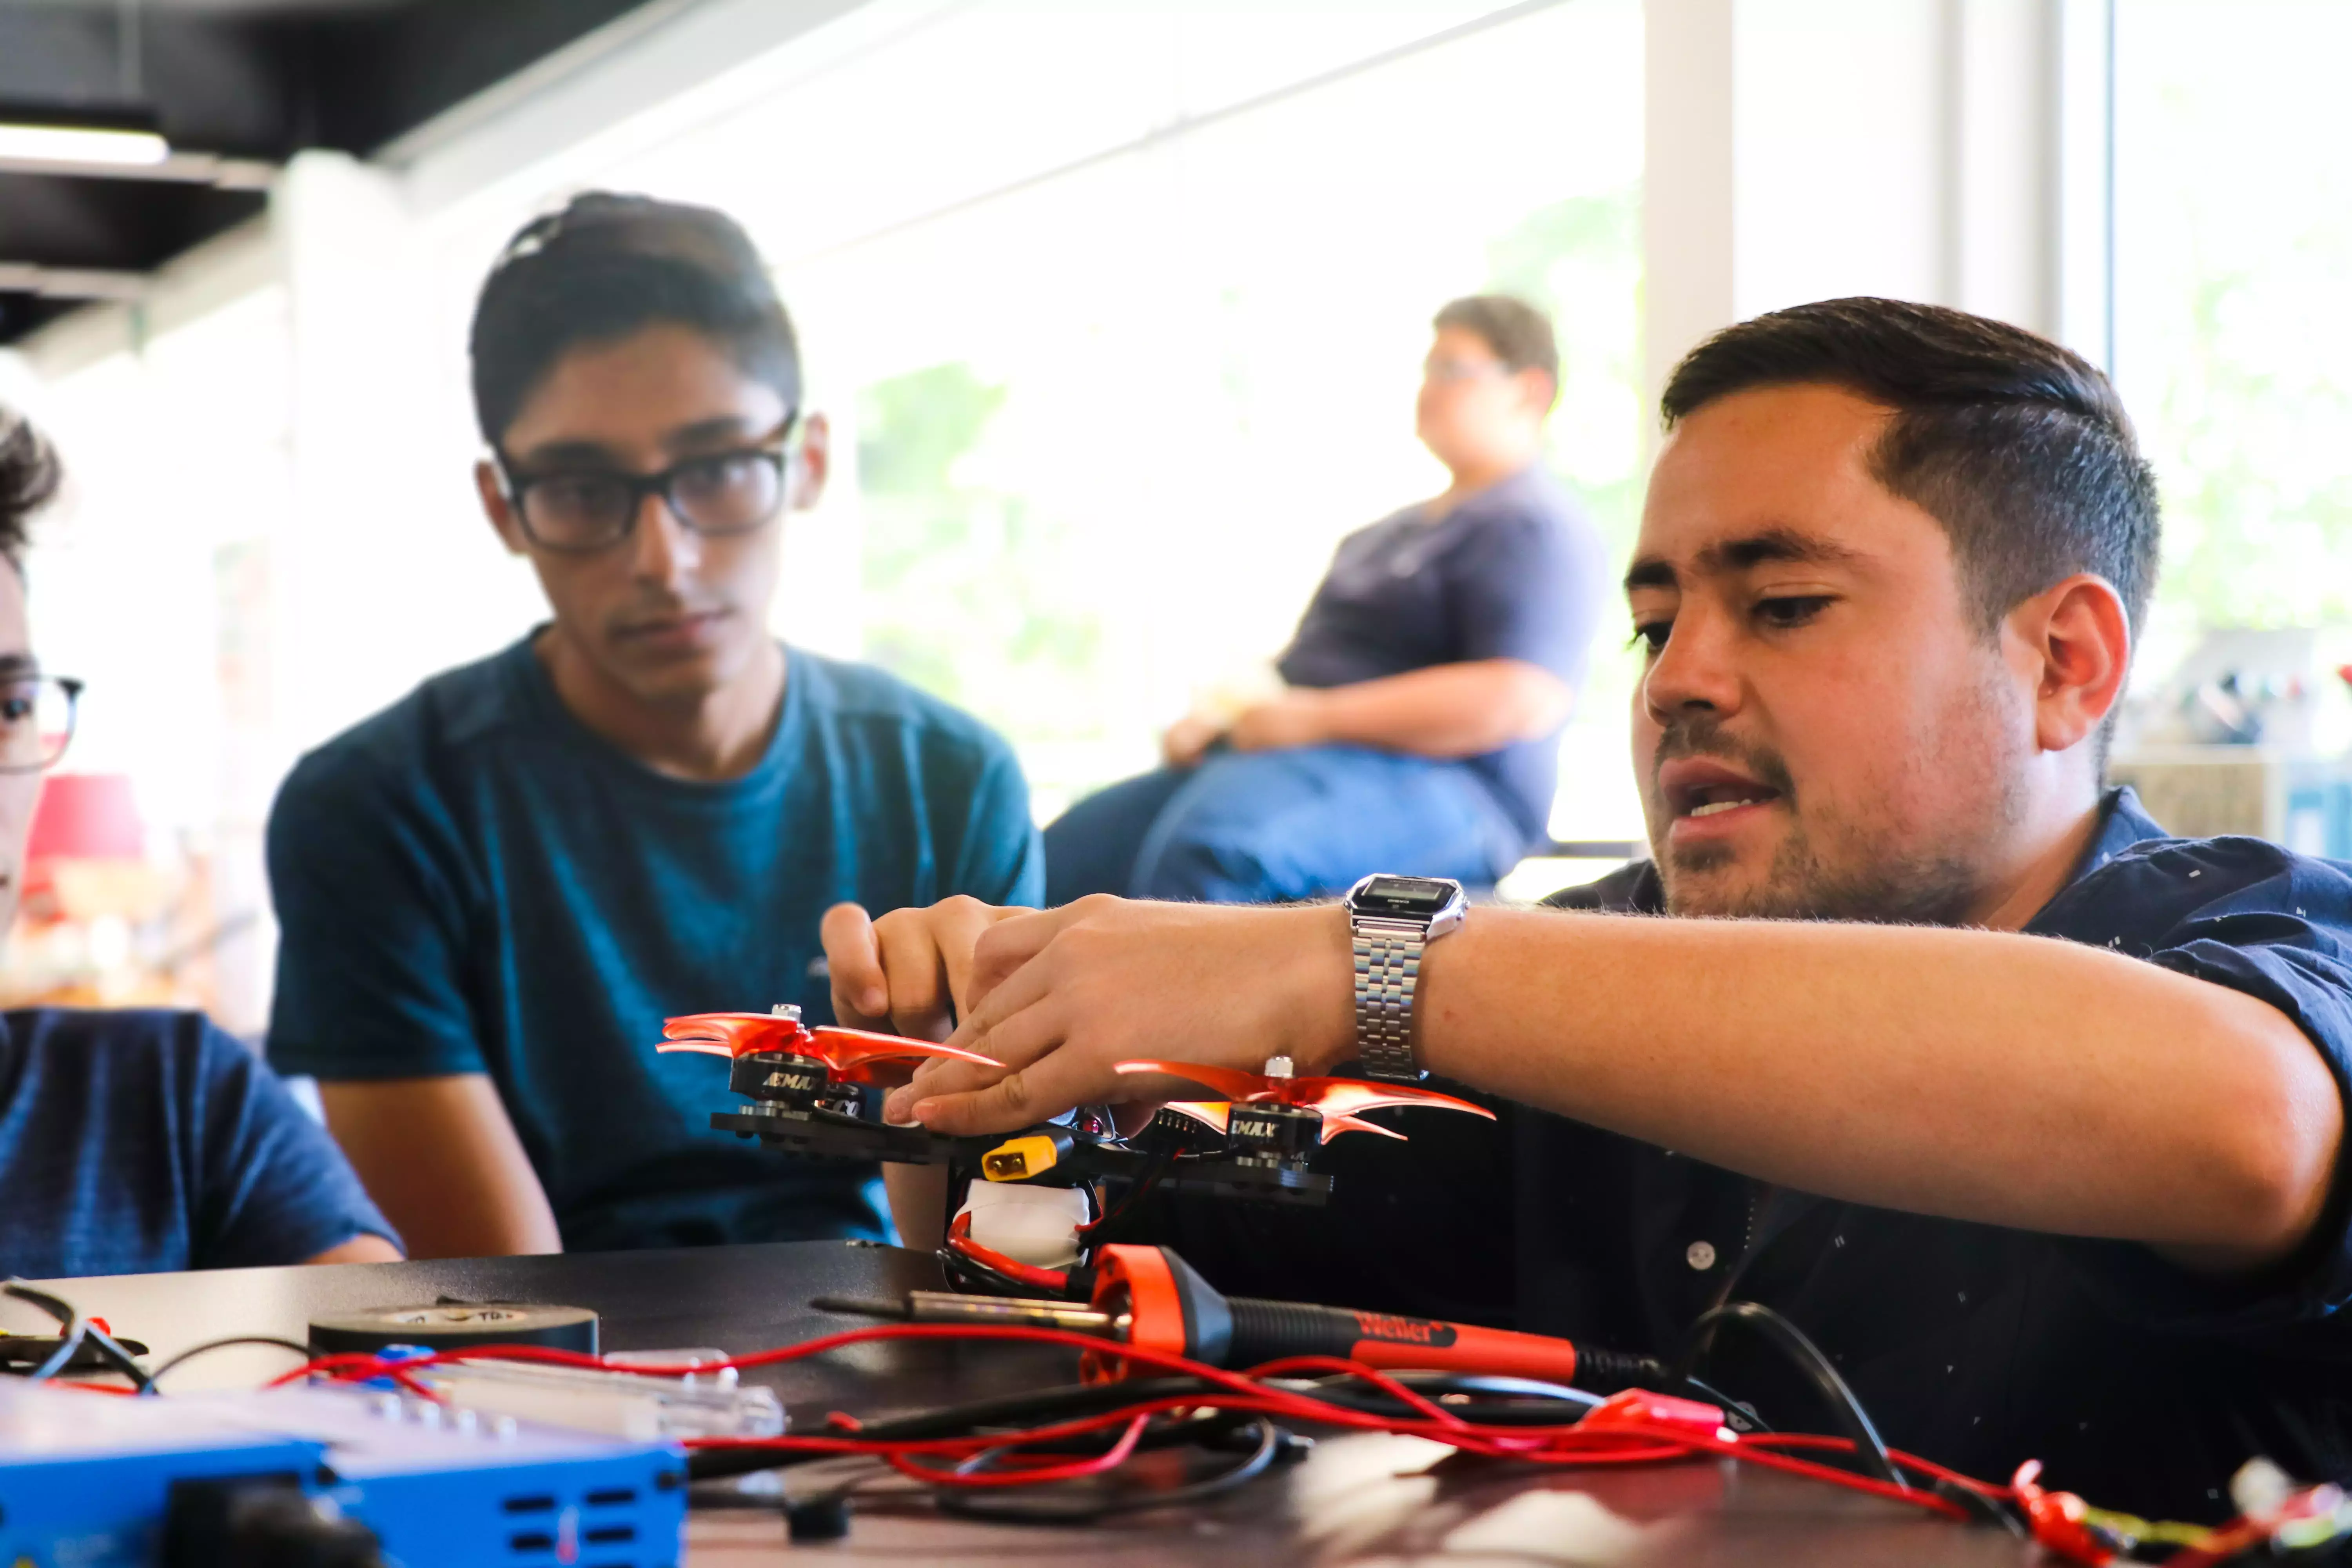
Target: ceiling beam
(179, 169)
(72, 283)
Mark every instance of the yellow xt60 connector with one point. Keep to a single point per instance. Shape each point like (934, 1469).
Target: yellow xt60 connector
(1018, 1158)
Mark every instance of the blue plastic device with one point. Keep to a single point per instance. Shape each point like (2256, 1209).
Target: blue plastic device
(86, 1477)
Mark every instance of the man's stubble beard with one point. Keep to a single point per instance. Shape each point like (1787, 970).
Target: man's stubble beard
(1879, 873)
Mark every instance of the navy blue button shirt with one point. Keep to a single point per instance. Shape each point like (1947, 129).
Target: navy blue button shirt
(1515, 571)
(2140, 1384)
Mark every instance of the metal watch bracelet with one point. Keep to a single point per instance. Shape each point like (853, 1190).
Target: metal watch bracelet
(1388, 968)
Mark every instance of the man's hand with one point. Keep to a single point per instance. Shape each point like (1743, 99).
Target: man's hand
(1060, 998)
(1293, 719)
(1188, 740)
(909, 973)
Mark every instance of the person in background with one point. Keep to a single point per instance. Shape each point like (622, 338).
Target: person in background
(493, 893)
(1426, 685)
(143, 1141)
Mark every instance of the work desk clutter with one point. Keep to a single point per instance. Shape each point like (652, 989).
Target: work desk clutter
(1356, 1499)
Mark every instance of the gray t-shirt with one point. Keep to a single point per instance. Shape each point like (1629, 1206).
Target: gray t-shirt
(1515, 571)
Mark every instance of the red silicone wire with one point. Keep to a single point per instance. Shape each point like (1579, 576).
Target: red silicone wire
(1109, 1459)
(1625, 1443)
(959, 1241)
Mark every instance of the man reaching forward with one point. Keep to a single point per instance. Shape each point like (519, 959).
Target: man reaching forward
(2076, 1199)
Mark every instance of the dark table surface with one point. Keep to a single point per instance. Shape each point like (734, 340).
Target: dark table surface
(1357, 1500)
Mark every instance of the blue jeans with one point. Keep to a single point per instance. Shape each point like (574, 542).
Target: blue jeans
(1263, 826)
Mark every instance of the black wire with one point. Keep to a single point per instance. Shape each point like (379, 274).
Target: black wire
(1741, 1417)
(69, 1318)
(193, 1352)
(68, 1344)
(1807, 1358)
(960, 1267)
(1095, 1234)
(1506, 1399)
(1082, 1505)
(77, 1331)
(1495, 1400)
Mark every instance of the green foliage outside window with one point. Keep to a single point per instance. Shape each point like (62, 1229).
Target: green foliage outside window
(969, 591)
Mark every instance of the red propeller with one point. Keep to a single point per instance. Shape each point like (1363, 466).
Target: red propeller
(847, 1054)
(1339, 1101)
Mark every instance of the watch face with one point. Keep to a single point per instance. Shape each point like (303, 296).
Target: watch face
(1413, 898)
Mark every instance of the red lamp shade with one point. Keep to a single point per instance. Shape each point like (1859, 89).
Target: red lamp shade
(85, 816)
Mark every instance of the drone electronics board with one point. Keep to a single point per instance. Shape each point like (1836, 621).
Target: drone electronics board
(813, 1092)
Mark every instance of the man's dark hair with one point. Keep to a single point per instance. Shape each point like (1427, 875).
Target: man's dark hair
(2019, 448)
(30, 476)
(1518, 334)
(608, 267)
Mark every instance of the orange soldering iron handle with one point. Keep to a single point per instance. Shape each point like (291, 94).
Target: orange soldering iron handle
(1271, 1330)
(1391, 1342)
(1172, 1309)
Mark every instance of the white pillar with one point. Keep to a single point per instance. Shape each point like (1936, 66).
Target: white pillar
(342, 234)
(1945, 151)
(1688, 186)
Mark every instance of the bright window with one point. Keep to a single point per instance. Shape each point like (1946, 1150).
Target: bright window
(1124, 327)
(2233, 267)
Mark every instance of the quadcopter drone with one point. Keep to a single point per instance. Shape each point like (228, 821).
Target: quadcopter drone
(815, 1091)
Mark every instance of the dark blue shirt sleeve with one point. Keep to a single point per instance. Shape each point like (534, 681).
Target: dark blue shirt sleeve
(372, 952)
(272, 1186)
(1527, 586)
(2276, 927)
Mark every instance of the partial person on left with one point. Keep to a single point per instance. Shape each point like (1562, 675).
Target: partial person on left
(148, 1141)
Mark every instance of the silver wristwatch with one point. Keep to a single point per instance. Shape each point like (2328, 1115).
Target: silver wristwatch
(1393, 918)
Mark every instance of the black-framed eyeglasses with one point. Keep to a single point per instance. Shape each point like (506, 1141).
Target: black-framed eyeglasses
(716, 494)
(37, 720)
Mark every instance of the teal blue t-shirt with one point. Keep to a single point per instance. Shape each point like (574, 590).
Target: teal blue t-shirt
(473, 881)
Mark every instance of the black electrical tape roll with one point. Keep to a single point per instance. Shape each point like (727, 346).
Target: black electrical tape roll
(452, 1326)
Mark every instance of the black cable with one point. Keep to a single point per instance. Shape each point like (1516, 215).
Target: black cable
(1507, 1399)
(1082, 1505)
(1807, 1358)
(1741, 1417)
(1098, 1233)
(193, 1352)
(960, 1268)
(68, 1344)
(69, 1318)
(1495, 1400)
(77, 1329)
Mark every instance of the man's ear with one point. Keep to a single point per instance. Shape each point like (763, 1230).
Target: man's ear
(493, 494)
(2082, 637)
(816, 460)
(1537, 393)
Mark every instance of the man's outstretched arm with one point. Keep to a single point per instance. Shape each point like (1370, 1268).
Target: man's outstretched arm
(2007, 1080)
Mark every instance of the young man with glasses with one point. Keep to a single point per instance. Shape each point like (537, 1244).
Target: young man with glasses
(1426, 684)
(140, 1141)
(494, 892)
